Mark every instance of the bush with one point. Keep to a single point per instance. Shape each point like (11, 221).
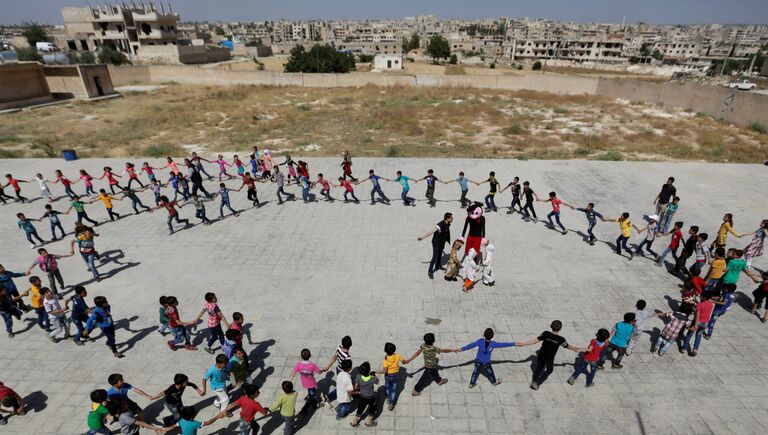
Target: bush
(610, 155)
(319, 59)
(109, 55)
(28, 54)
(493, 65)
(392, 151)
(87, 57)
(536, 66)
(365, 58)
(438, 48)
(514, 129)
(760, 128)
(454, 60)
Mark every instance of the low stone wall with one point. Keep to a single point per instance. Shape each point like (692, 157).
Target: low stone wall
(23, 84)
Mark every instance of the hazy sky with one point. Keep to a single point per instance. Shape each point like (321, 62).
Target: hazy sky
(651, 11)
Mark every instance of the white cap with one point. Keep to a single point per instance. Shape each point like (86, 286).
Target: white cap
(654, 217)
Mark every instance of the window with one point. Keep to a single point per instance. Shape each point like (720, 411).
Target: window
(120, 28)
(71, 45)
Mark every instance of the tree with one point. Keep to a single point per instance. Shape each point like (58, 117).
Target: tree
(454, 60)
(412, 43)
(536, 66)
(645, 51)
(28, 54)
(319, 59)
(109, 55)
(365, 58)
(438, 48)
(87, 57)
(658, 55)
(35, 33)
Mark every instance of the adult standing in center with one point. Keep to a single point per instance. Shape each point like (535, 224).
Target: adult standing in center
(441, 235)
(668, 191)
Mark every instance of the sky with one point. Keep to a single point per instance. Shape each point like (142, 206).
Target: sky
(649, 11)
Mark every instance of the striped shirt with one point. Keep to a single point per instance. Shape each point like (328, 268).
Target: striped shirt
(341, 355)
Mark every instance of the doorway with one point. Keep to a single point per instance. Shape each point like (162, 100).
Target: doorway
(99, 89)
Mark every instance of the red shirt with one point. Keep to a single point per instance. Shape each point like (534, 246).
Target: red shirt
(347, 186)
(249, 182)
(698, 284)
(555, 204)
(15, 183)
(64, 181)
(676, 237)
(704, 310)
(249, 408)
(173, 317)
(170, 206)
(6, 392)
(594, 354)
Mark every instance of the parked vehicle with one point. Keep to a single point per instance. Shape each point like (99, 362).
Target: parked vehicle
(743, 85)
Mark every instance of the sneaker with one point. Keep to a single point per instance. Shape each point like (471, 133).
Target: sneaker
(707, 337)
(600, 367)
(591, 385)
(498, 381)
(655, 354)
(209, 350)
(189, 347)
(371, 424)
(391, 407)
(617, 366)
(534, 386)
(472, 385)
(692, 353)
(661, 354)
(442, 381)
(171, 345)
(653, 349)
(762, 319)
(32, 246)
(118, 355)
(631, 255)
(80, 343)
(415, 393)
(571, 380)
(680, 349)
(565, 232)
(11, 335)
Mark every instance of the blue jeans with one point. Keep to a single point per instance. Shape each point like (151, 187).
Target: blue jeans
(404, 197)
(89, 261)
(89, 190)
(647, 243)
(699, 331)
(68, 190)
(216, 333)
(697, 266)
(288, 425)
(42, 318)
(556, 214)
(667, 222)
(342, 409)
(666, 252)
(8, 318)
(377, 189)
(227, 205)
(582, 368)
(663, 344)
(81, 216)
(489, 202)
(305, 194)
(590, 227)
(136, 204)
(55, 225)
(180, 335)
(482, 367)
(103, 431)
(711, 325)
(80, 328)
(288, 195)
(390, 383)
(248, 427)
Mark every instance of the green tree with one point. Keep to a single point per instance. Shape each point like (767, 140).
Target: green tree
(645, 51)
(109, 55)
(411, 43)
(454, 60)
(658, 55)
(319, 59)
(365, 58)
(438, 48)
(35, 33)
(28, 54)
(87, 57)
(536, 66)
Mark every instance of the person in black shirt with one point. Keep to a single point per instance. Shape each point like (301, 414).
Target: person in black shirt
(490, 204)
(529, 195)
(80, 312)
(516, 188)
(431, 180)
(551, 342)
(668, 191)
(688, 248)
(173, 395)
(193, 174)
(441, 235)
(8, 310)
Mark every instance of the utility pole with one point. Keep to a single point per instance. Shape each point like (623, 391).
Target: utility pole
(725, 61)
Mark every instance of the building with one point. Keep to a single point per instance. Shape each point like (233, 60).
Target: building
(24, 84)
(388, 62)
(143, 32)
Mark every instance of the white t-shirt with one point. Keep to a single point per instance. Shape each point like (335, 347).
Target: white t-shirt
(343, 385)
(52, 305)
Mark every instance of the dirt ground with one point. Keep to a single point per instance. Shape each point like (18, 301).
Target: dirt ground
(373, 121)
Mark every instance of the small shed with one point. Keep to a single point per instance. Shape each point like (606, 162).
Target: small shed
(388, 62)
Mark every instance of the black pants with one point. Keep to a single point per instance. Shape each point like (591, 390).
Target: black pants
(437, 256)
(680, 263)
(366, 403)
(53, 276)
(112, 188)
(252, 196)
(516, 200)
(16, 406)
(544, 368)
(464, 200)
(136, 180)
(431, 195)
(199, 186)
(430, 374)
(529, 206)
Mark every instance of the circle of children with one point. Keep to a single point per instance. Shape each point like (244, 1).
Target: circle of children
(704, 299)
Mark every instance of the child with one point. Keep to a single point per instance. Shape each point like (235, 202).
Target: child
(111, 179)
(721, 307)
(291, 167)
(215, 317)
(173, 214)
(188, 425)
(487, 264)
(130, 169)
(689, 247)
(591, 356)
(431, 359)
(130, 422)
(119, 389)
(150, 171)
(200, 208)
(650, 235)
(326, 190)
(306, 370)
(620, 336)
(56, 315)
(80, 312)
(60, 178)
(248, 409)
(701, 318)
(640, 317)
(239, 165)
(29, 229)
(551, 342)
(88, 181)
(677, 235)
(344, 389)
(404, 180)
(8, 310)
(173, 400)
(98, 415)
(232, 339)
(452, 269)
(516, 188)
(251, 193)
(722, 233)
(391, 370)
(218, 376)
(626, 231)
(155, 188)
(760, 294)
(469, 268)
(702, 253)
(50, 266)
(79, 207)
(280, 181)
(592, 216)
(135, 201)
(184, 185)
(431, 180)
(174, 167)
(286, 404)
(35, 293)
(365, 387)
(529, 195)
(224, 195)
(346, 166)
(376, 187)
(198, 163)
(53, 217)
(669, 214)
(16, 188)
(677, 320)
(45, 191)
(163, 328)
(555, 201)
(222, 166)
(237, 322)
(238, 367)
(735, 267)
(348, 190)
(494, 186)
(107, 200)
(341, 354)
(716, 269)
(3, 195)
(485, 347)
(180, 333)
(101, 316)
(463, 184)
(173, 181)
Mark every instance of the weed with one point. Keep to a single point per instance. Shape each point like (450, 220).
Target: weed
(9, 154)
(758, 127)
(392, 151)
(560, 110)
(7, 139)
(514, 129)
(304, 108)
(610, 155)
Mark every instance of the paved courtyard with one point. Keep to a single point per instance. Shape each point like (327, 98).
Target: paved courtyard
(306, 275)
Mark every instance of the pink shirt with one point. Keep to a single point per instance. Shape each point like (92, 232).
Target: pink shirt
(87, 179)
(307, 370)
(705, 311)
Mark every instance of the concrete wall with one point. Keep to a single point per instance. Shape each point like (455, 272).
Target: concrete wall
(125, 75)
(23, 84)
(191, 54)
(89, 73)
(736, 106)
(78, 81)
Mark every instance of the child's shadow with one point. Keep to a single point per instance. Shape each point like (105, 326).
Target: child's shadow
(35, 401)
(30, 324)
(256, 360)
(153, 410)
(274, 420)
(744, 301)
(137, 334)
(674, 304)
(230, 429)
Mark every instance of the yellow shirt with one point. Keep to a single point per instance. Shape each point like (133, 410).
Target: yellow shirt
(35, 298)
(106, 199)
(717, 268)
(626, 228)
(392, 363)
(722, 233)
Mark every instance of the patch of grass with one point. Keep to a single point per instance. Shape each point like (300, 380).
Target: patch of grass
(454, 70)
(161, 150)
(8, 139)
(560, 110)
(392, 151)
(549, 126)
(514, 129)
(581, 152)
(304, 107)
(702, 115)
(9, 154)
(610, 156)
(758, 127)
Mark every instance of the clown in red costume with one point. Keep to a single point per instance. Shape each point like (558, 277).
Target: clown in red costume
(476, 224)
